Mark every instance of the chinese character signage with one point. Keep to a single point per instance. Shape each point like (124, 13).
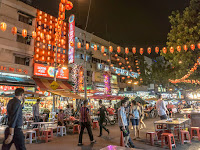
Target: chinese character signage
(107, 83)
(48, 71)
(14, 70)
(71, 52)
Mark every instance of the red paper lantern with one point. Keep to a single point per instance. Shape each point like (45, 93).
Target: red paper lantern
(122, 67)
(79, 44)
(171, 50)
(48, 37)
(164, 50)
(120, 63)
(71, 43)
(126, 58)
(178, 48)
(141, 51)
(95, 47)
(123, 78)
(34, 35)
(116, 55)
(117, 59)
(157, 50)
(104, 54)
(118, 49)
(134, 50)
(14, 30)
(198, 45)
(129, 66)
(102, 49)
(3, 26)
(87, 46)
(149, 50)
(185, 47)
(61, 8)
(68, 5)
(24, 33)
(128, 77)
(42, 36)
(192, 47)
(126, 50)
(63, 1)
(110, 49)
(118, 74)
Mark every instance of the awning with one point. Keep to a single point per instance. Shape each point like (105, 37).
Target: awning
(16, 81)
(65, 93)
(44, 85)
(107, 97)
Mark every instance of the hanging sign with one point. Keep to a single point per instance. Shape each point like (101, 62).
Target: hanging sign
(71, 52)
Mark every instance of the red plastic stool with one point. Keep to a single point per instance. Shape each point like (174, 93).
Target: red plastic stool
(37, 132)
(184, 135)
(167, 137)
(95, 124)
(192, 133)
(122, 140)
(76, 128)
(47, 135)
(152, 136)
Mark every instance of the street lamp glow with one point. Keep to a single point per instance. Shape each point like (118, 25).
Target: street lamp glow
(135, 83)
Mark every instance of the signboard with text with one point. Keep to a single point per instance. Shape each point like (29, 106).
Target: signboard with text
(48, 71)
(117, 70)
(71, 52)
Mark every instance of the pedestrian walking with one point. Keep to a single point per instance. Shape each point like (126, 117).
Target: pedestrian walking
(135, 116)
(122, 122)
(142, 124)
(102, 117)
(36, 112)
(85, 121)
(13, 133)
(161, 108)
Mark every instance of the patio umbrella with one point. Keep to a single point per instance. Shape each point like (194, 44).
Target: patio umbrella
(139, 99)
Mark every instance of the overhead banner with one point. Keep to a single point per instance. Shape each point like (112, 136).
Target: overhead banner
(48, 71)
(71, 52)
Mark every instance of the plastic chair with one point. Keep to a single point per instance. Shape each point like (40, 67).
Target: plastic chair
(47, 135)
(31, 136)
(76, 128)
(192, 129)
(61, 130)
(184, 135)
(95, 124)
(153, 135)
(167, 137)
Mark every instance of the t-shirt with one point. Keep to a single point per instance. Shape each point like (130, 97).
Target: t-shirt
(122, 115)
(84, 112)
(136, 111)
(102, 111)
(161, 108)
(36, 110)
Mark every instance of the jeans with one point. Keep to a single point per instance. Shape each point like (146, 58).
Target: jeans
(83, 126)
(18, 140)
(101, 125)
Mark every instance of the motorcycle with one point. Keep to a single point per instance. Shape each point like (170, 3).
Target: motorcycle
(109, 119)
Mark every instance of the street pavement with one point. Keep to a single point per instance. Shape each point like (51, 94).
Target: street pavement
(69, 142)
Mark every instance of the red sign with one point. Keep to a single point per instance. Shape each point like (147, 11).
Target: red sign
(48, 71)
(71, 52)
(15, 70)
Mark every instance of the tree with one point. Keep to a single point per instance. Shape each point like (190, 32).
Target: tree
(185, 30)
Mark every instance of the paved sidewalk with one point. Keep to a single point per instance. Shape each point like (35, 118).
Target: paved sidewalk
(70, 141)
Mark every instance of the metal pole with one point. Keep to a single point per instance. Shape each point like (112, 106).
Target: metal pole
(85, 67)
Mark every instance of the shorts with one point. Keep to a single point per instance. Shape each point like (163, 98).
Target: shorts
(125, 133)
(135, 122)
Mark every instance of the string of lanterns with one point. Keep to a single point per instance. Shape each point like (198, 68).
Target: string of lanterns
(183, 79)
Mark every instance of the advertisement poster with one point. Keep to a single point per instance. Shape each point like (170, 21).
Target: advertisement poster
(71, 52)
(48, 71)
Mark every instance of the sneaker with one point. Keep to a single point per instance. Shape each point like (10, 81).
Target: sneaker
(94, 141)
(80, 144)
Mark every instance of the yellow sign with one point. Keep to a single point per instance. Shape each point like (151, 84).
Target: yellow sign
(54, 85)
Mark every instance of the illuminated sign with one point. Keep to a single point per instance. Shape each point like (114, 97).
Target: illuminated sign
(11, 69)
(107, 83)
(71, 52)
(117, 70)
(48, 71)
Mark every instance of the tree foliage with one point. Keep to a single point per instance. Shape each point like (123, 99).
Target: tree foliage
(185, 30)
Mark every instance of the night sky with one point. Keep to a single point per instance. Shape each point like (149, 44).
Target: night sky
(130, 23)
